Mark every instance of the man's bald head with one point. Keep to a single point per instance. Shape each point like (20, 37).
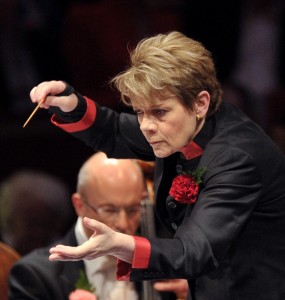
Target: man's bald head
(109, 173)
(110, 183)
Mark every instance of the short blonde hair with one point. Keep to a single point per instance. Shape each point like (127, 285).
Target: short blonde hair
(169, 63)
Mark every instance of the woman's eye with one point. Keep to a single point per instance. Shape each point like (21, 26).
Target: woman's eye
(159, 112)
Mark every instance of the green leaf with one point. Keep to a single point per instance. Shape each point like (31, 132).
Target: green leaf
(83, 283)
(196, 174)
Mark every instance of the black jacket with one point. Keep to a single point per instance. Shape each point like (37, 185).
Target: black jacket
(230, 244)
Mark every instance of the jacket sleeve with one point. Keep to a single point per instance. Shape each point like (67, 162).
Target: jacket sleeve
(141, 258)
(231, 188)
(103, 129)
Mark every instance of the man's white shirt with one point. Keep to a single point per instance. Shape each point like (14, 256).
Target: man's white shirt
(101, 273)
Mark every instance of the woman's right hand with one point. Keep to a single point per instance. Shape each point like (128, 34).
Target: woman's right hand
(49, 90)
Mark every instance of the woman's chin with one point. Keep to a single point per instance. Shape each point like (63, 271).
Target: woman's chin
(162, 153)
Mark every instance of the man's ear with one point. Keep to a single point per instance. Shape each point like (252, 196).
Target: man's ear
(202, 104)
(77, 204)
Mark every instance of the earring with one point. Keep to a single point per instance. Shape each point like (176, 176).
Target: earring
(199, 117)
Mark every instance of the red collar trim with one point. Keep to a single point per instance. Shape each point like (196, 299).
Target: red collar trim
(192, 150)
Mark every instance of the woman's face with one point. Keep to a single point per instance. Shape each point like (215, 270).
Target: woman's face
(167, 125)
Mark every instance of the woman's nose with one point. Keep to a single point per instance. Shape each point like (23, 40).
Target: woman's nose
(147, 124)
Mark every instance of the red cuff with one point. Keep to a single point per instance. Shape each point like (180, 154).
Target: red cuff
(142, 253)
(87, 120)
(140, 260)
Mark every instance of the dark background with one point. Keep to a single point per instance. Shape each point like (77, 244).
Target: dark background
(86, 42)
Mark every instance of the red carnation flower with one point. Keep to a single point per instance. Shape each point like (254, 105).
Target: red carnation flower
(185, 187)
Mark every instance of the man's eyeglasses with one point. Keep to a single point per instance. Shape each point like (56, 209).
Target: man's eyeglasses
(110, 212)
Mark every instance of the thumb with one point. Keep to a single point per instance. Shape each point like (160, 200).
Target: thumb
(94, 225)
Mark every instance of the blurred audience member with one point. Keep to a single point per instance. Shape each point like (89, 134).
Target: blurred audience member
(34, 210)
(259, 52)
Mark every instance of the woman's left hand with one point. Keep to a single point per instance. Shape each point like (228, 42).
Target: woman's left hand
(104, 241)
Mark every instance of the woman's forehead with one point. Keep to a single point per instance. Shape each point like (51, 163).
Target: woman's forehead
(155, 99)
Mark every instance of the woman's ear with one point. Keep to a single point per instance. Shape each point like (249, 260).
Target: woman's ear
(78, 204)
(202, 104)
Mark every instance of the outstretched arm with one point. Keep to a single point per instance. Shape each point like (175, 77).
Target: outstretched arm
(104, 241)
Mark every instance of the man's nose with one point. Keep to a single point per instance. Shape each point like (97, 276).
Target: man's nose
(122, 222)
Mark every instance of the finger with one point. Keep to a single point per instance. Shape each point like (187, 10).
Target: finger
(68, 253)
(63, 250)
(164, 286)
(177, 286)
(32, 94)
(46, 88)
(56, 256)
(40, 91)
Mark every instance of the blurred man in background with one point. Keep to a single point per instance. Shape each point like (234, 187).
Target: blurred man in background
(110, 191)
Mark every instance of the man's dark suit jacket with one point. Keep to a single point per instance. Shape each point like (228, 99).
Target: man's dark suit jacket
(230, 244)
(35, 277)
